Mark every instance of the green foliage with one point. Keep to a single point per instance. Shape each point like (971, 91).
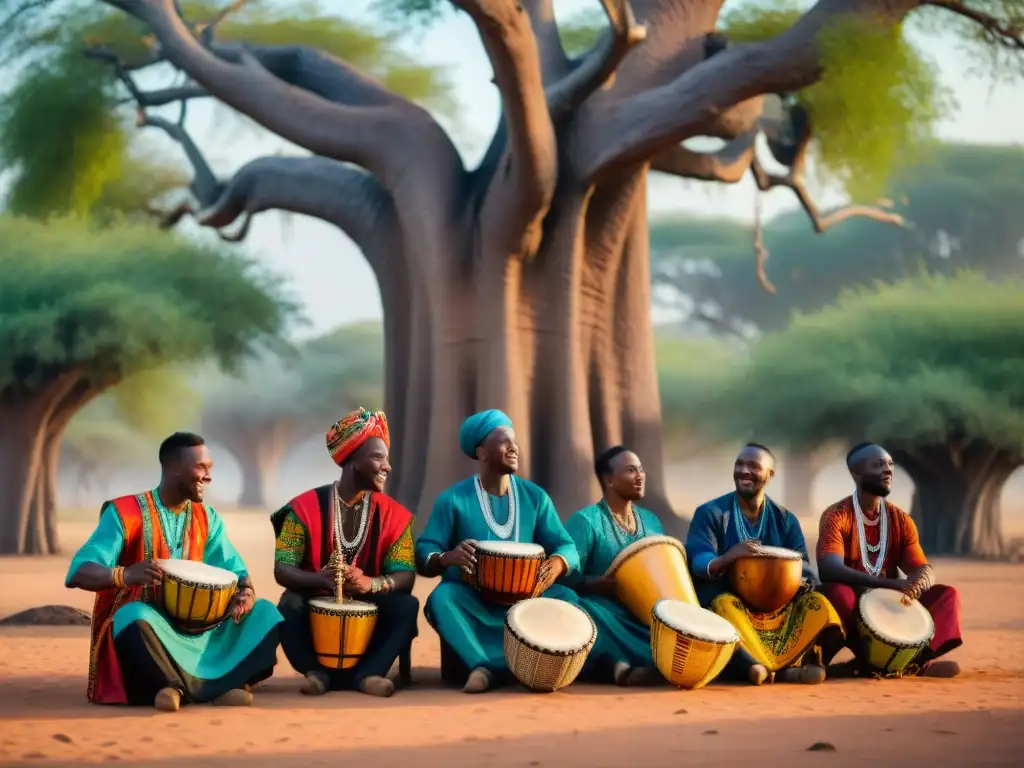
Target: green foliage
(114, 303)
(921, 362)
(580, 31)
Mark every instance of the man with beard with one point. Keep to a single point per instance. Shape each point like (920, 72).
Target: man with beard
(137, 655)
(601, 531)
(793, 644)
(470, 511)
(865, 541)
(372, 533)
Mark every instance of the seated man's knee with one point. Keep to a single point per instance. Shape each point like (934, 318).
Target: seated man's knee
(291, 604)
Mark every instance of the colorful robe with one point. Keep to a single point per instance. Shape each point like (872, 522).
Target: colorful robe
(472, 628)
(775, 640)
(136, 528)
(599, 540)
(837, 535)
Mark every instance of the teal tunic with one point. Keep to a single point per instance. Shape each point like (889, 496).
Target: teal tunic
(207, 656)
(599, 540)
(474, 629)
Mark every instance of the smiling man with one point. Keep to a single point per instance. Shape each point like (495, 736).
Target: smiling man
(798, 640)
(373, 533)
(864, 541)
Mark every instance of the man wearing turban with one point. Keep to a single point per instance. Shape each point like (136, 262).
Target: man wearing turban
(354, 520)
(492, 505)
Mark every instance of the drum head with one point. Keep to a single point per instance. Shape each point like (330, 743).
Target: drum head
(641, 544)
(327, 605)
(551, 625)
(513, 548)
(886, 615)
(695, 621)
(780, 553)
(197, 573)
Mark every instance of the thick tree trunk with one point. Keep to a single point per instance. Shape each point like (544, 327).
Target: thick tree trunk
(258, 449)
(801, 470)
(957, 497)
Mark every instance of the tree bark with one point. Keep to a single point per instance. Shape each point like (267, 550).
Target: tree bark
(258, 449)
(802, 469)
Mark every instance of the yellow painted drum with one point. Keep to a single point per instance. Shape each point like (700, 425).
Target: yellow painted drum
(651, 569)
(341, 631)
(547, 642)
(767, 582)
(891, 634)
(691, 645)
(195, 595)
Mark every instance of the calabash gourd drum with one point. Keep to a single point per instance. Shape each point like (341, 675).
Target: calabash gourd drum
(547, 642)
(768, 581)
(506, 571)
(891, 634)
(691, 645)
(651, 569)
(341, 631)
(195, 595)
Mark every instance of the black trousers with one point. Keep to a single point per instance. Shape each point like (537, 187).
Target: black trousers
(146, 667)
(397, 626)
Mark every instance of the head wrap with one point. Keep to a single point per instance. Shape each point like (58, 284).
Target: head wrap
(477, 427)
(345, 436)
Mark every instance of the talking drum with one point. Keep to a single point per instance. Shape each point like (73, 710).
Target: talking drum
(766, 582)
(690, 645)
(891, 634)
(506, 571)
(341, 631)
(195, 595)
(651, 569)
(547, 642)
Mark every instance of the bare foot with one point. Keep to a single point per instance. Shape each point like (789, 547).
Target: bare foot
(642, 677)
(236, 697)
(479, 681)
(944, 668)
(757, 674)
(620, 673)
(377, 686)
(167, 700)
(315, 685)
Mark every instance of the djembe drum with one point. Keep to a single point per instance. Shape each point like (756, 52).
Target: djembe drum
(767, 581)
(651, 569)
(691, 645)
(506, 571)
(892, 633)
(195, 595)
(547, 642)
(341, 631)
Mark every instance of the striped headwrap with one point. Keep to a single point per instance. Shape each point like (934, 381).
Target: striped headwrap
(346, 435)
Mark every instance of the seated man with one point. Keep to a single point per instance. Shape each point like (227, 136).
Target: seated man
(469, 511)
(137, 655)
(354, 517)
(601, 531)
(797, 641)
(864, 541)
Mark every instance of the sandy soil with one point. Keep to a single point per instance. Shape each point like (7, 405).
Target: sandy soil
(973, 720)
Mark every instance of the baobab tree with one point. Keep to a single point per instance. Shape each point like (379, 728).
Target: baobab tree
(522, 283)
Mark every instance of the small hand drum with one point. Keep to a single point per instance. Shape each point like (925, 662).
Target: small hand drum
(195, 595)
(506, 571)
(691, 645)
(768, 581)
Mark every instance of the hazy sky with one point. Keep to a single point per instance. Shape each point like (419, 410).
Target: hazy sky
(317, 259)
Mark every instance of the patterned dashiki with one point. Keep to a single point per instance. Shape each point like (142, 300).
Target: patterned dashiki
(599, 540)
(775, 640)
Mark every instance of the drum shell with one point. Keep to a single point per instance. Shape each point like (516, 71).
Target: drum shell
(504, 579)
(685, 661)
(657, 572)
(766, 584)
(542, 670)
(340, 639)
(882, 655)
(192, 606)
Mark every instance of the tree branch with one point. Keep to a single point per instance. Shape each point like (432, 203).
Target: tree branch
(553, 62)
(598, 66)
(997, 32)
(728, 165)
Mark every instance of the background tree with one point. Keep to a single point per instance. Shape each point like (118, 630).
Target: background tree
(81, 309)
(497, 291)
(931, 368)
(276, 401)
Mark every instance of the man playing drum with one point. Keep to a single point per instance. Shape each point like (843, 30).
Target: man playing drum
(137, 655)
(800, 638)
(865, 540)
(493, 505)
(375, 533)
(601, 531)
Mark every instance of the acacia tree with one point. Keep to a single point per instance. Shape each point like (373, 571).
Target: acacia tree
(81, 309)
(522, 283)
(930, 368)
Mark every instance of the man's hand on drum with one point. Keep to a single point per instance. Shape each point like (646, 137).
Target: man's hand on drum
(463, 556)
(242, 602)
(743, 549)
(144, 574)
(357, 582)
(549, 572)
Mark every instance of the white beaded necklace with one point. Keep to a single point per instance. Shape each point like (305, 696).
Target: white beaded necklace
(349, 547)
(501, 531)
(879, 550)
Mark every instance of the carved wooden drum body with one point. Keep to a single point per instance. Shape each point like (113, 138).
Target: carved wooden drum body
(891, 634)
(547, 642)
(506, 571)
(195, 595)
(651, 569)
(341, 631)
(768, 581)
(691, 645)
